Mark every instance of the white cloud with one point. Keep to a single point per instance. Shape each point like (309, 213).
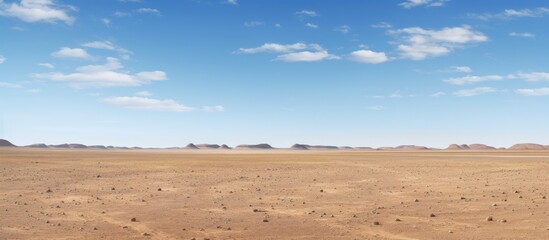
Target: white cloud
(428, 3)
(474, 91)
(419, 43)
(367, 56)
(107, 45)
(311, 25)
(307, 13)
(67, 52)
(306, 56)
(107, 75)
(533, 92)
(143, 103)
(376, 108)
(9, 85)
(37, 11)
(34, 90)
(253, 24)
(275, 47)
(461, 69)
(524, 34)
(438, 94)
(148, 10)
(474, 79)
(232, 2)
(2, 59)
(513, 13)
(532, 76)
(217, 108)
(143, 94)
(122, 14)
(47, 65)
(382, 25)
(293, 52)
(343, 29)
(106, 21)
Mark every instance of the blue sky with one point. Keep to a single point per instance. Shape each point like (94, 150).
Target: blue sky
(358, 73)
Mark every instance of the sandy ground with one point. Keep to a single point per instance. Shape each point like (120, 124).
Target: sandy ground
(94, 194)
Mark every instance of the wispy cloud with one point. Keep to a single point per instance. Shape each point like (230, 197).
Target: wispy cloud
(474, 79)
(343, 29)
(2, 59)
(508, 14)
(66, 52)
(523, 34)
(533, 92)
(110, 74)
(438, 94)
(217, 108)
(307, 13)
(368, 56)
(46, 65)
(106, 21)
(426, 3)
(297, 52)
(143, 94)
(526, 76)
(37, 11)
(148, 10)
(474, 91)
(144, 103)
(311, 25)
(376, 108)
(9, 85)
(461, 69)
(418, 43)
(253, 24)
(107, 45)
(232, 2)
(381, 25)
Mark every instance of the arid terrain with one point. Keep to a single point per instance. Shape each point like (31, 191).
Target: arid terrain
(277, 194)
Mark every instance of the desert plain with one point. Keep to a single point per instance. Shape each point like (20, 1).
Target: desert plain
(276, 194)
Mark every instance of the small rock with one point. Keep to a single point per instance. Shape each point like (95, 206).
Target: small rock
(49, 191)
(159, 189)
(321, 190)
(397, 220)
(146, 234)
(450, 231)
(417, 200)
(265, 220)
(432, 215)
(377, 223)
(133, 219)
(503, 220)
(489, 219)
(494, 205)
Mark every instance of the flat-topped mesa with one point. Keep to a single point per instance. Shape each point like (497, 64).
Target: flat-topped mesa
(299, 147)
(191, 146)
(6, 143)
(254, 146)
(320, 147)
(411, 147)
(70, 146)
(224, 146)
(528, 146)
(97, 147)
(208, 146)
(37, 145)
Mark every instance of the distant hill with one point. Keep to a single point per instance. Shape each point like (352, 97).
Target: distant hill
(458, 147)
(481, 147)
(191, 146)
(256, 146)
(208, 146)
(299, 147)
(6, 143)
(325, 147)
(224, 146)
(528, 146)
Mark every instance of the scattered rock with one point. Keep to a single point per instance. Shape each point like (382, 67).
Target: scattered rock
(432, 215)
(397, 220)
(489, 219)
(376, 223)
(146, 234)
(133, 219)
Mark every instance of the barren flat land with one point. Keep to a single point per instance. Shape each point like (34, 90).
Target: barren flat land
(277, 194)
